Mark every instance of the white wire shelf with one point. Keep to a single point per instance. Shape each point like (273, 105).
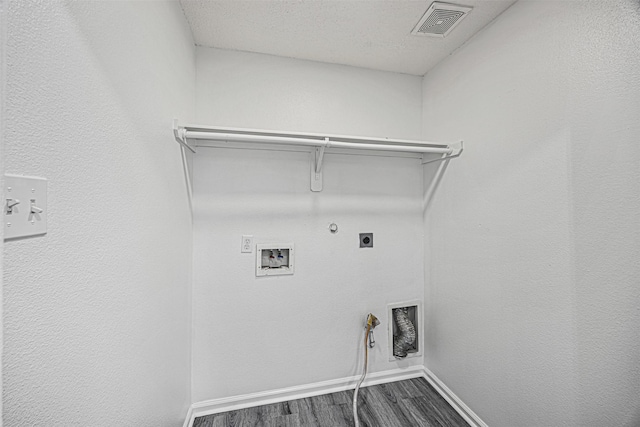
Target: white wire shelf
(193, 136)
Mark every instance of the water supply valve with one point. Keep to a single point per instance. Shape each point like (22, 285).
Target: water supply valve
(274, 259)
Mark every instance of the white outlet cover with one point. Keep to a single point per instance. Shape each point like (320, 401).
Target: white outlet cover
(29, 216)
(246, 247)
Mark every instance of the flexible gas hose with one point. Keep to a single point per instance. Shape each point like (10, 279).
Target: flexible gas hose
(372, 322)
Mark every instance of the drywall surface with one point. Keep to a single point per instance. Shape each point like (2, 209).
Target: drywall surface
(534, 235)
(96, 312)
(365, 34)
(254, 334)
(244, 89)
(3, 85)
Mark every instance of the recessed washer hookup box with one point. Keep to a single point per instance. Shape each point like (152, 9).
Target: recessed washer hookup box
(274, 259)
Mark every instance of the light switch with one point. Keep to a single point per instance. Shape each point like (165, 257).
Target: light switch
(25, 206)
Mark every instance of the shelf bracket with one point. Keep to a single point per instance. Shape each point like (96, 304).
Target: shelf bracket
(179, 134)
(317, 157)
(445, 157)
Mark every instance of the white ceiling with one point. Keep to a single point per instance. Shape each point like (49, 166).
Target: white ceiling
(363, 33)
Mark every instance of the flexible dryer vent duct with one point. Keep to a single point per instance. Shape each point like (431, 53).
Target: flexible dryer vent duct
(402, 342)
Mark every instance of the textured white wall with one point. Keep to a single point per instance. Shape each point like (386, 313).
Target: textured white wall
(267, 92)
(3, 85)
(533, 238)
(97, 311)
(253, 334)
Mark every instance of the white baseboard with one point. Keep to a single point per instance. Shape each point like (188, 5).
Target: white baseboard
(188, 421)
(455, 402)
(233, 403)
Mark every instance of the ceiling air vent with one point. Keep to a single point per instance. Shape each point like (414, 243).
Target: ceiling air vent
(440, 19)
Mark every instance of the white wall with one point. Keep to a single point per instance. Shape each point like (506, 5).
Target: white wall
(533, 237)
(267, 92)
(253, 334)
(96, 312)
(3, 85)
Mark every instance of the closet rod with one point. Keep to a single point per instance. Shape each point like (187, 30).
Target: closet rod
(185, 133)
(326, 142)
(188, 135)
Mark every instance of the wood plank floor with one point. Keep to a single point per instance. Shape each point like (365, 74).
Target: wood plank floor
(400, 404)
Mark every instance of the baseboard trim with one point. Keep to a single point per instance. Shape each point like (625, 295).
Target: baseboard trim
(456, 403)
(233, 403)
(188, 421)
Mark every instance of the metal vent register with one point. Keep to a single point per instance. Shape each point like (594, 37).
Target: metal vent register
(440, 19)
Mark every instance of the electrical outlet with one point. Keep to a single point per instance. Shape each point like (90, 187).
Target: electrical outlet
(247, 244)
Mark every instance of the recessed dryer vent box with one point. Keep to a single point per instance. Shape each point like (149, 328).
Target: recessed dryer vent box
(413, 310)
(274, 259)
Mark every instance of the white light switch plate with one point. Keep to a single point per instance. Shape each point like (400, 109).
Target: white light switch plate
(24, 206)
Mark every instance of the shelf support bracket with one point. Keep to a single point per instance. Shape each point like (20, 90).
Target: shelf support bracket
(317, 157)
(445, 157)
(180, 135)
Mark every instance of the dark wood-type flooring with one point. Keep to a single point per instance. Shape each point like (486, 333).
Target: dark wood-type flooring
(404, 403)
